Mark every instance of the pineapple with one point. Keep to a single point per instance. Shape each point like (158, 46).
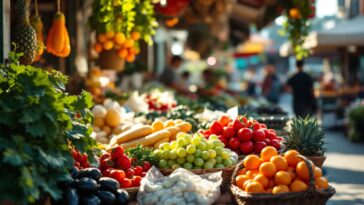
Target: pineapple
(306, 136)
(23, 34)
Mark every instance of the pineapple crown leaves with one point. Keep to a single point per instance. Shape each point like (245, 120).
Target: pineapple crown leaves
(306, 136)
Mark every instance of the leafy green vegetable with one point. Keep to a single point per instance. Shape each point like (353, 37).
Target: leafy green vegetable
(142, 154)
(38, 123)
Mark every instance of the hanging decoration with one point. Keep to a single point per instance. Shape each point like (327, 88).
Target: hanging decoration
(172, 8)
(297, 14)
(37, 24)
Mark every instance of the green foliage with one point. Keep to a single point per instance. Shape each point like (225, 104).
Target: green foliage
(356, 124)
(142, 154)
(38, 123)
(306, 136)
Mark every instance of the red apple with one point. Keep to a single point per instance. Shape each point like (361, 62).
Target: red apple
(234, 143)
(246, 147)
(270, 135)
(245, 134)
(258, 146)
(258, 135)
(276, 144)
(229, 132)
(267, 141)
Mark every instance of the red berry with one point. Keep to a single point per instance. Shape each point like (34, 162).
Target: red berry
(229, 132)
(276, 144)
(138, 170)
(146, 166)
(119, 175)
(246, 147)
(258, 135)
(129, 173)
(83, 158)
(258, 146)
(117, 152)
(216, 128)
(135, 182)
(224, 120)
(74, 153)
(237, 125)
(125, 183)
(245, 134)
(256, 126)
(234, 143)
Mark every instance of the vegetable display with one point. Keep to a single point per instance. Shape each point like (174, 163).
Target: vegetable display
(38, 122)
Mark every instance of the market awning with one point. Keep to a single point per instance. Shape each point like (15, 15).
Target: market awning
(348, 33)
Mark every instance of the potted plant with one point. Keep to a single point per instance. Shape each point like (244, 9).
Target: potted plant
(119, 27)
(356, 123)
(308, 138)
(38, 124)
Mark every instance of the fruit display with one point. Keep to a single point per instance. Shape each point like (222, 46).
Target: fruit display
(181, 187)
(242, 135)
(90, 188)
(23, 34)
(160, 101)
(194, 152)
(274, 174)
(81, 159)
(150, 135)
(124, 169)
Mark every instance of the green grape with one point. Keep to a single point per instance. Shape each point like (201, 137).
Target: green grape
(181, 152)
(162, 163)
(219, 166)
(208, 165)
(171, 163)
(188, 139)
(172, 154)
(196, 141)
(190, 158)
(225, 155)
(181, 160)
(175, 166)
(180, 135)
(219, 151)
(212, 153)
(218, 160)
(202, 146)
(198, 153)
(227, 162)
(165, 154)
(197, 167)
(212, 161)
(173, 145)
(157, 153)
(181, 142)
(187, 165)
(191, 149)
(209, 145)
(198, 162)
(165, 146)
(213, 137)
(205, 155)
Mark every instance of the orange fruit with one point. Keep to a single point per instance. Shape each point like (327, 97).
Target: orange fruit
(321, 183)
(98, 47)
(122, 53)
(119, 38)
(298, 185)
(239, 180)
(268, 169)
(282, 177)
(110, 34)
(271, 183)
(292, 172)
(129, 43)
(254, 187)
(112, 118)
(247, 182)
(102, 38)
(268, 152)
(269, 190)
(294, 13)
(302, 170)
(318, 172)
(135, 35)
(157, 125)
(252, 162)
(108, 45)
(292, 157)
(130, 58)
(262, 180)
(280, 162)
(251, 174)
(280, 189)
(242, 171)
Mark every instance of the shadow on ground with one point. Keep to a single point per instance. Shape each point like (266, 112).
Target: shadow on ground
(344, 176)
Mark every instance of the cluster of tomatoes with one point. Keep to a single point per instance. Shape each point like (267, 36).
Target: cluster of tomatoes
(81, 160)
(242, 135)
(272, 173)
(119, 166)
(155, 104)
(125, 47)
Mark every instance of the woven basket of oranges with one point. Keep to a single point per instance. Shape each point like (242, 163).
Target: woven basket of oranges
(274, 179)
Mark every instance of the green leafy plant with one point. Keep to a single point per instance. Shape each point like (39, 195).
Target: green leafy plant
(142, 154)
(297, 14)
(356, 123)
(38, 124)
(306, 136)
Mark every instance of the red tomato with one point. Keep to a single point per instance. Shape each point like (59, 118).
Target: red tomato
(224, 120)
(245, 134)
(77, 164)
(107, 172)
(234, 143)
(129, 173)
(264, 126)
(138, 170)
(124, 162)
(223, 140)
(279, 138)
(271, 130)
(125, 183)
(229, 132)
(83, 158)
(117, 152)
(270, 135)
(258, 146)
(74, 153)
(237, 125)
(143, 174)
(117, 174)
(256, 126)
(146, 166)
(267, 141)
(135, 182)
(86, 165)
(104, 156)
(207, 133)
(106, 163)
(258, 135)
(276, 144)
(216, 128)
(246, 147)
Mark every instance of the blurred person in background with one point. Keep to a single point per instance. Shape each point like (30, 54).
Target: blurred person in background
(170, 76)
(271, 86)
(250, 77)
(301, 85)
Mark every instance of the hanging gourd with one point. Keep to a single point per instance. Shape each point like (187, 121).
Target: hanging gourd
(58, 42)
(38, 26)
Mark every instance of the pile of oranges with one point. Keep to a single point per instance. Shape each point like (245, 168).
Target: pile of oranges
(126, 48)
(274, 174)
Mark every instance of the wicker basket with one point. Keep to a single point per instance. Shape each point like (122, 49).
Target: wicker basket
(309, 197)
(133, 192)
(318, 161)
(226, 175)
